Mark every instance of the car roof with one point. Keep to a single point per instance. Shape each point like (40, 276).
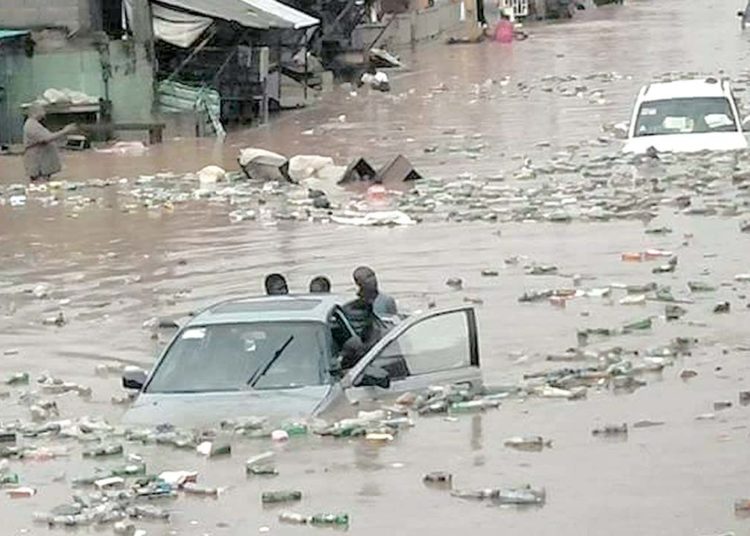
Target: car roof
(680, 89)
(287, 308)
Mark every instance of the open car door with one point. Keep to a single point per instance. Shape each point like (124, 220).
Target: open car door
(436, 348)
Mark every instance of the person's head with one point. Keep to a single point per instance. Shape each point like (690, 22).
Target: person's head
(320, 285)
(37, 111)
(276, 285)
(367, 283)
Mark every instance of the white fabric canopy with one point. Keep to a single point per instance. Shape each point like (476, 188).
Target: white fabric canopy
(175, 27)
(179, 25)
(297, 19)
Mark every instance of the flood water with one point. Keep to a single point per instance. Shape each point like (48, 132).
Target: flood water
(119, 268)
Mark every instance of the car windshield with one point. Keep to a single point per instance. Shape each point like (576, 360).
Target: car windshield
(698, 115)
(235, 357)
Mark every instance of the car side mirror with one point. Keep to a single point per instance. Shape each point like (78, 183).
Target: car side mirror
(740, 13)
(374, 376)
(134, 378)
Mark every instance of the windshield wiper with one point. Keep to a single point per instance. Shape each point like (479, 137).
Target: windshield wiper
(261, 371)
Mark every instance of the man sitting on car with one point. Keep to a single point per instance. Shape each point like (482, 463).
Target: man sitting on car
(368, 315)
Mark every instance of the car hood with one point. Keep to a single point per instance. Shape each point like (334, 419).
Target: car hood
(202, 409)
(685, 143)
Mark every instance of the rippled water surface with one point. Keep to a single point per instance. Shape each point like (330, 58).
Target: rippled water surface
(119, 268)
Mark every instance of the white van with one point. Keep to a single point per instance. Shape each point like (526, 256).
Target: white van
(686, 116)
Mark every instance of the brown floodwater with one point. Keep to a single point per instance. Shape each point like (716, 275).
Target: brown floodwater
(120, 268)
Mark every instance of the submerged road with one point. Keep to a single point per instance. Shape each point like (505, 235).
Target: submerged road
(119, 268)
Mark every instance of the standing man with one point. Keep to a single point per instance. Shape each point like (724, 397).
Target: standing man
(41, 158)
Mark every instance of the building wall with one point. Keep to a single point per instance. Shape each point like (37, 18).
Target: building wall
(129, 87)
(72, 14)
(411, 27)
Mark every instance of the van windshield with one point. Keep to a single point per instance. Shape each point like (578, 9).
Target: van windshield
(696, 115)
(236, 357)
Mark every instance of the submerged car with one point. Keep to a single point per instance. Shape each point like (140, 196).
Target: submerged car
(278, 356)
(686, 116)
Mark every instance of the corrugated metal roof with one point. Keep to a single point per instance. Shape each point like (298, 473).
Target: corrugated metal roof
(257, 14)
(10, 34)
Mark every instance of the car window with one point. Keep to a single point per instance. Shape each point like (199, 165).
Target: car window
(226, 357)
(699, 115)
(440, 342)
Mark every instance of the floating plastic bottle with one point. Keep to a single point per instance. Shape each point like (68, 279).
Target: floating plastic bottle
(293, 518)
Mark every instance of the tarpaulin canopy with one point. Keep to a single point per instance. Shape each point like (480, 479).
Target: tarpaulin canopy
(178, 28)
(182, 22)
(228, 10)
(290, 16)
(175, 27)
(10, 34)
(256, 14)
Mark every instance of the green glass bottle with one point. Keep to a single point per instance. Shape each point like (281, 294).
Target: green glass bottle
(9, 478)
(295, 429)
(19, 378)
(280, 496)
(330, 519)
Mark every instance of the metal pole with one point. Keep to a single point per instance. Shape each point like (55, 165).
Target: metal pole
(306, 43)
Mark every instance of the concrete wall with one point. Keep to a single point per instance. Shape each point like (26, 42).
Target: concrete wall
(26, 78)
(72, 14)
(411, 27)
(131, 88)
(130, 83)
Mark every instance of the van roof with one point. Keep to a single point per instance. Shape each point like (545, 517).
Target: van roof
(680, 89)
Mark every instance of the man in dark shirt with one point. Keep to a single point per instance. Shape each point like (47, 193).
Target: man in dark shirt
(320, 285)
(276, 285)
(382, 304)
(363, 314)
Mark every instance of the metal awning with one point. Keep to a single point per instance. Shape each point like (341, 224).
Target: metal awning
(10, 34)
(256, 14)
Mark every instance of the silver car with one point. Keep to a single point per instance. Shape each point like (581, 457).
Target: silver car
(278, 356)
